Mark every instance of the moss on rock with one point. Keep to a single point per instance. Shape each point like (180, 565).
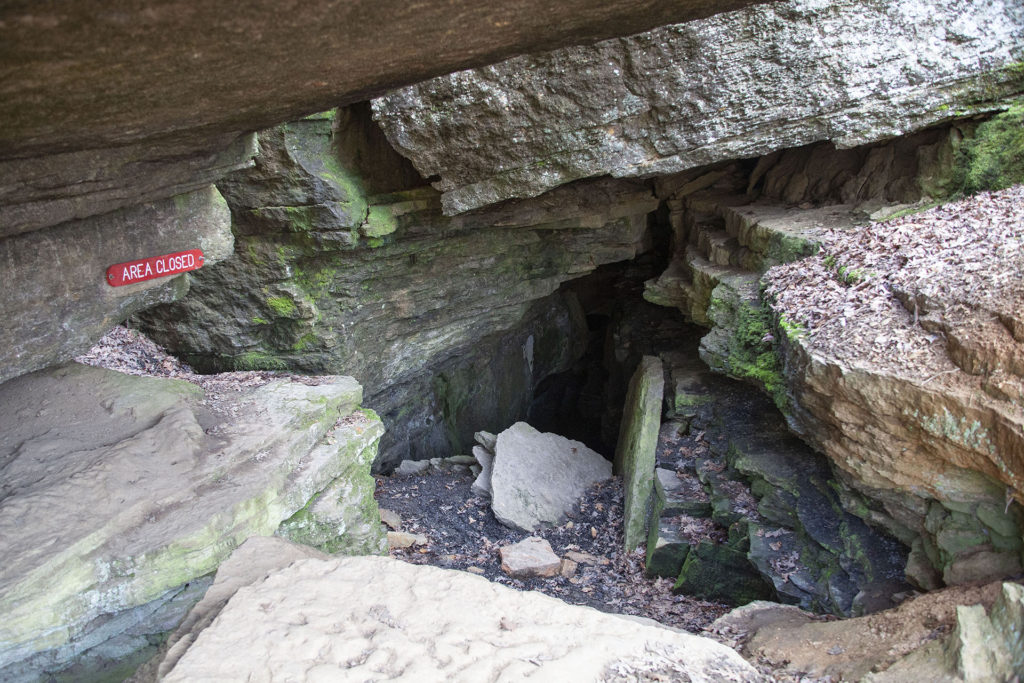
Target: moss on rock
(994, 158)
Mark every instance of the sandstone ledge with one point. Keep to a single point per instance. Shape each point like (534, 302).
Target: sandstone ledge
(119, 490)
(372, 617)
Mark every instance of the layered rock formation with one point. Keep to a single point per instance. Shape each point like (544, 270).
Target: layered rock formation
(99, 158)
(340, 267)
(354, 618)
(121, 492)
(737, 85)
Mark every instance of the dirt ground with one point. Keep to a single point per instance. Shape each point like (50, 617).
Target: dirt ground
(464, 534)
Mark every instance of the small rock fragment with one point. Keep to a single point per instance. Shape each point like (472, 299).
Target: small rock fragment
(476, 570)
(586, 558)
(487, 440)
(391, 519)
(568, 568)
(530, 557)
(482, 485)
(410, 467)
(401, 539)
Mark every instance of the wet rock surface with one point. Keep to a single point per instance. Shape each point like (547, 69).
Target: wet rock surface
(774, 524)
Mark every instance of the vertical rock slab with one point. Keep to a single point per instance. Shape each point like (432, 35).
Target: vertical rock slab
(537, 477)
(638, 441)
(119, 490)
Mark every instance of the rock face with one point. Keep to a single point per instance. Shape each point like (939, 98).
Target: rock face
(536, 478)
(743, 510)
(373, 617)
(340, 267)
(140, 486)
(60, 274)
(910, 643)
(638, 441)
(86, 139)
(736, 85)
(914, 393)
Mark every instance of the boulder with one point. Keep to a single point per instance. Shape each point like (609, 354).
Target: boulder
(61, 275)
(531, 556)
(373, 617)
(537, 477)
(961, 634)
(638, 441)
(142, 485)
(736, 85)
(252, 561)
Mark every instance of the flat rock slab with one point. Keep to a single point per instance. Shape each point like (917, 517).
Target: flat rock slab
(532, 556)
(537, 477)
(375, 618)
(117, 490)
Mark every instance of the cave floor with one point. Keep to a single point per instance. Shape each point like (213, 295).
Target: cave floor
(463, 533)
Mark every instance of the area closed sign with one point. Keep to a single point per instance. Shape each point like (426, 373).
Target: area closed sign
(130, 272)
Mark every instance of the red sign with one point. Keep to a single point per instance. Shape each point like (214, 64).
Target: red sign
(156, 266)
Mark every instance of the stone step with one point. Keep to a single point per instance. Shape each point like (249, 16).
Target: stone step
(680, 493)
(719, 247)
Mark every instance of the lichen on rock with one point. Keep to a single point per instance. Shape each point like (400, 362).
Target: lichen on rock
(165, 483)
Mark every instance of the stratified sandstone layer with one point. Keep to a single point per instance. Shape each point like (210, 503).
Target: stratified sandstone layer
(736, 85)
(119, 491)
(345, 264)
(360, 618)
(903, 350)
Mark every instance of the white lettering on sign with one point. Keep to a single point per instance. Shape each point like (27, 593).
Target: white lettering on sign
(154, 267)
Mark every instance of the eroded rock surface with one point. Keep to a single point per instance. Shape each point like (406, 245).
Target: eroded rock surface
(371, 617)
(60, 274)
(119, 490)
(536, 477)
(902, 358)
(348, 266)
(736, 85)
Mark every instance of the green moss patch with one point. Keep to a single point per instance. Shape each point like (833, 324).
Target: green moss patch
(994, 158)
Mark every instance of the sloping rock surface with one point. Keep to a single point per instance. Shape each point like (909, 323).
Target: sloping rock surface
(736, 85)
(118, 490)
(360, 618)
(537, 477)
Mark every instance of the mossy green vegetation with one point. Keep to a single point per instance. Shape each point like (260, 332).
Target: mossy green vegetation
(994, 158)
(257, 360)
(282, 306)
(751, 351)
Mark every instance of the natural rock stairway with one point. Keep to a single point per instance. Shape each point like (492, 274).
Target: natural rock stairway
(744, 510)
